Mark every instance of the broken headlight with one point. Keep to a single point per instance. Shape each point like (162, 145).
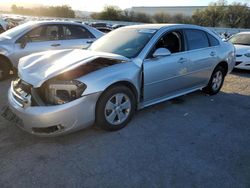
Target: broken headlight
(61, 92)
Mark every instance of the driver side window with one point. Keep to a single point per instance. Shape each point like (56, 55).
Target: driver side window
(173, 41)
(43, 34)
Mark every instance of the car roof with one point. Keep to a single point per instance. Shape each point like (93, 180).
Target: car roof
(172, 26)
(160, 26)
(53, 22)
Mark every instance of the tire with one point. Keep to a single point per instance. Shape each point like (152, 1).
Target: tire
(115, 108)
(4, 70)
(216, 81)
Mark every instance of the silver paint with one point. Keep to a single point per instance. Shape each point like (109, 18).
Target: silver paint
(10, 48)
(154, 79)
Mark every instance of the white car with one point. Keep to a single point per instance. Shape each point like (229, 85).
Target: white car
(241, 42)
(38, 36)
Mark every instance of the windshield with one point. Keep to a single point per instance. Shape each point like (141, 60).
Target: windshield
(15, 31)
(243, 39)
(127, 42)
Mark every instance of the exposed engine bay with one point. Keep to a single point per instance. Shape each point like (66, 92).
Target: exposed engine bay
(62, 88)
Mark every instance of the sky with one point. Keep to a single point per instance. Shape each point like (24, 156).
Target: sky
(97, 5)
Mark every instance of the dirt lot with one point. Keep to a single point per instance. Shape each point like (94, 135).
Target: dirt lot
(193, 141)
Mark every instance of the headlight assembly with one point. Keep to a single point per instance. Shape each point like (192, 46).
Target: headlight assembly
(61, 92)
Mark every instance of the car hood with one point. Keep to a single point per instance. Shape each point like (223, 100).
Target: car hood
(35, 69)
(242, 49)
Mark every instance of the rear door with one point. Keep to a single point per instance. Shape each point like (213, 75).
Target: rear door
(41, 38)
(202, 55)
(76, 36)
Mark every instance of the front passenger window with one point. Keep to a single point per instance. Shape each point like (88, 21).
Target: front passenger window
(43, 33)
(36, 35)
(52, 32)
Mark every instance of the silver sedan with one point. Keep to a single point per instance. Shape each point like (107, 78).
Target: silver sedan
(39, 36)
(128, 69)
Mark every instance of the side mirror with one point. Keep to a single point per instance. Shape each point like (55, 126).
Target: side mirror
(161, 52)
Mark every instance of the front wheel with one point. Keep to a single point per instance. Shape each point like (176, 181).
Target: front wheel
(216, 81)
(115, 108)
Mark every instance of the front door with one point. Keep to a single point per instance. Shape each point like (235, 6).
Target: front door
(41, 38)
(165, 75)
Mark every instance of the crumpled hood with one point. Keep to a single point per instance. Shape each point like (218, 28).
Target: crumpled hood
(35, 69)
(242, 49)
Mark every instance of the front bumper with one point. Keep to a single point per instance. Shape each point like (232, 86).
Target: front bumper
(57, 119)
(242, 62)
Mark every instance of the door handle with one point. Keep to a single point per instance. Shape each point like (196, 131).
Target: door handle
(212, 54)
(89, 42)
(182, 60)
(55, 45)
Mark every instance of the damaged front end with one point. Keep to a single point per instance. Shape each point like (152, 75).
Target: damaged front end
(51, 101)
(53, 92)
(59, 90)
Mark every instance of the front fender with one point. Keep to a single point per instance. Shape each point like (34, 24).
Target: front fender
(100, 80)
(4, 51)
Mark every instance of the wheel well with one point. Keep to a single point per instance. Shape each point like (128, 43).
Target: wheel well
(6, 60)
(127, 84)
(123, 83)
(224, 65)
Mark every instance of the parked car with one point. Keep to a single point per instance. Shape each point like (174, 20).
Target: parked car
(116, 26)
(39, 36)
(100, 25)
(241, 42)
(3, 25)
(104, 29)
(128, 69)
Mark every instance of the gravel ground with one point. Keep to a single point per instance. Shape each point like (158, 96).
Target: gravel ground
(192, 141)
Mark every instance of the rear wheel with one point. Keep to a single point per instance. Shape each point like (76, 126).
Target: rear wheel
(4, 69)
(115, 108)
(216, 81)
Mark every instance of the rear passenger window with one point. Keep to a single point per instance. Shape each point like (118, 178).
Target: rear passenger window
(212, 40)
(196, 39)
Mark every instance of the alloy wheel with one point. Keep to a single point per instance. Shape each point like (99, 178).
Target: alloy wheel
(117, 109)
(217, 80)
